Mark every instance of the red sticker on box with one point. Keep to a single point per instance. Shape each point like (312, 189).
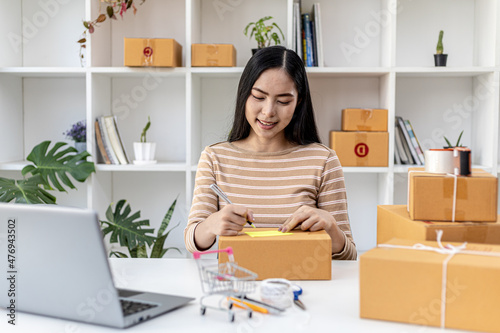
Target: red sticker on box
(148, 52)
(361, 149)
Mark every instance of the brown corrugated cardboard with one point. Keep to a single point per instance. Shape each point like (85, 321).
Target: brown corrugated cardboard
(213, 55)
(157, 52)
(405, 285)
(393, 221)
(374, 120)
(304, 255)
(361, 148)
(431, 196)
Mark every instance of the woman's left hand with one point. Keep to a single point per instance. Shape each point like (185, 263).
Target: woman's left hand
(315, 219)
(312, 219)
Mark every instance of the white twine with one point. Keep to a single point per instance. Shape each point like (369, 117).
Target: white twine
(277, 292)
(449, 249)
(455, 183)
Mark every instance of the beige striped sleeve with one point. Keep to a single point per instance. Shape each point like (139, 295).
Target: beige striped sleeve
(332, 198)
(204, 200)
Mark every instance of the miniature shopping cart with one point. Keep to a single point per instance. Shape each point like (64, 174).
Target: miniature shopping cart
(227, 280)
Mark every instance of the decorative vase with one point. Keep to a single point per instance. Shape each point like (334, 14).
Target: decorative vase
(440, 60)
(144, 152)
(81, 146)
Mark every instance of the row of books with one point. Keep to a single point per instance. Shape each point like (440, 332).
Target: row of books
(307, 35)
(407, 149)
(109, 141)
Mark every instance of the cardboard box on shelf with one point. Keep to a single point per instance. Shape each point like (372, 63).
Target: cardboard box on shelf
(213, 55)
(361, 148)
(374, 120)
(303, 255)
(393, 221)
(432, 196)
(152, 52)
(406, 285)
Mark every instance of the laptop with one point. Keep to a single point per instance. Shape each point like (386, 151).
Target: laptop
(56, 265)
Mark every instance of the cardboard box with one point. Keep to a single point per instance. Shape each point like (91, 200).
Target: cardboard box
(393, 221)
(157, 52)
(405, 285)
(213, 55)
(374, 120)
(304, 255)
(431, 196)
(361, 148)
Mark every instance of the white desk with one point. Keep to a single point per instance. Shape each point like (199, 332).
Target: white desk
(333, 306)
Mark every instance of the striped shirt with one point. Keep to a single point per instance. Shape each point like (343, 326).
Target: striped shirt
(273, 185)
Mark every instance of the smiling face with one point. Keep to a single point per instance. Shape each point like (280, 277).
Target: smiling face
(269, 109)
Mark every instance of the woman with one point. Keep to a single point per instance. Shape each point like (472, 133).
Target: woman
(273, 167)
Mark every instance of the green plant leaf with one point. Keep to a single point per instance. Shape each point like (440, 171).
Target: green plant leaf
(54, 165)
(25, 191)
(459, 138)
(118, 254)
(447, 142)
(158, 251)
(125, 228)
(141, 251)
(167, 218)
(110, 11)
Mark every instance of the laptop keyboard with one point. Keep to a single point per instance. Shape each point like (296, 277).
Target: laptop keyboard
(130, 307)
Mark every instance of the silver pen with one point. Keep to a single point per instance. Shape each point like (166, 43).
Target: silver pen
(224, 197)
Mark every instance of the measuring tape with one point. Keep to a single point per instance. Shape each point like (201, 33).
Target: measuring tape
(277, 292)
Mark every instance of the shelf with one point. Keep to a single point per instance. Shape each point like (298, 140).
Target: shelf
(139, 71)
(443, 71)
(398, 168)
(162, 166)
(13, 166)
(365, 169)
(347, 71)
(44, 71)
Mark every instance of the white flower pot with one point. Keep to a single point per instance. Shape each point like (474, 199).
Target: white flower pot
(144, 152)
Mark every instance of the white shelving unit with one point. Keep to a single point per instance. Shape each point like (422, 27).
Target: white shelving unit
(377, 54)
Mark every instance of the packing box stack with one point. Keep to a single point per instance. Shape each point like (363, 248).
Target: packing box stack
(301, 255)
(154, 52)
(428, 285)
(213, 55)
(364, 140)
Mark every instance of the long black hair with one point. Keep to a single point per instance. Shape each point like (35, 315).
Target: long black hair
(302, 128)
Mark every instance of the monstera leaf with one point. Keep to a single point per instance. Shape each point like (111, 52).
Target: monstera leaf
(126, 230)
(56, 164)
(25, 191)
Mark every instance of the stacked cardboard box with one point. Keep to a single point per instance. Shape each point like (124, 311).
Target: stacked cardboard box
(364, 139)
(415, 276)
(152, 52)
(213, 55)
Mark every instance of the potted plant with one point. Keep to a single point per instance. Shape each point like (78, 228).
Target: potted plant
(439, 57)
(78, 133)
(449, 145)
(145, 151)
(263, 33)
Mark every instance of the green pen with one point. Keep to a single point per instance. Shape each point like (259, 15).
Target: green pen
(223, 195)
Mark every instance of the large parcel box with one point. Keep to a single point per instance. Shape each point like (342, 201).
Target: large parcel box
(374, 120)
(154, 52)
(361, 148)
(438, 197)
(393, 221)
(409, 283)
(213, 55)
(301, 255)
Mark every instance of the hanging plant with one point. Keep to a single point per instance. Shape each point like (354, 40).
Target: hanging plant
(113, 7)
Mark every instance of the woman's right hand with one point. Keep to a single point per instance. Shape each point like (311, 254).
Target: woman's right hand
(229, 221)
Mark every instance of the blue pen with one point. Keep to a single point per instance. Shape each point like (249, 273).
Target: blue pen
(223, 195)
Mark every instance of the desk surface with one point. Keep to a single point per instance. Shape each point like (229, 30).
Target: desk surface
(332, 305)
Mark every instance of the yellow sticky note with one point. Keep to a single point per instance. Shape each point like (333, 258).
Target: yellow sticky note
(269, 233)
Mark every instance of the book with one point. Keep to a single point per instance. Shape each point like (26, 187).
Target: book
(318, 35)
(406, 149)
(107, 144)
(407, 139)
(298, 29)
(399, 149)
(100, 143)
(120, 140)
(114, 139)
(308, 49)
(414, 141)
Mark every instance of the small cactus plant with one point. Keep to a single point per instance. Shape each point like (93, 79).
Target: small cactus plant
(439, 47)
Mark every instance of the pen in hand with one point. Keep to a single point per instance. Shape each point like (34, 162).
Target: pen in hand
(223, 195)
